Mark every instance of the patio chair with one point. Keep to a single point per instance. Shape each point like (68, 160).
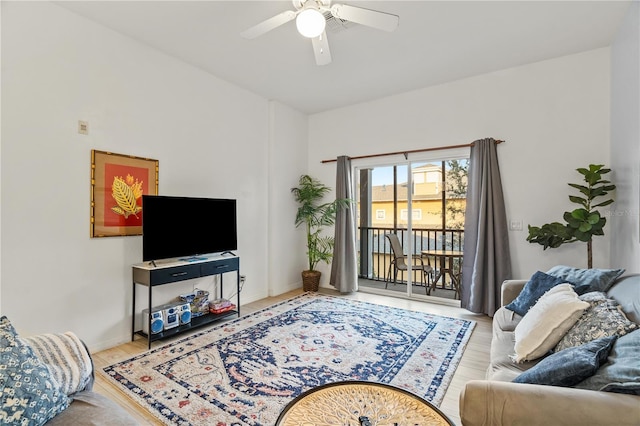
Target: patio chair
(399, 263)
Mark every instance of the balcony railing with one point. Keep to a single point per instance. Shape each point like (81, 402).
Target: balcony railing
(375, 253)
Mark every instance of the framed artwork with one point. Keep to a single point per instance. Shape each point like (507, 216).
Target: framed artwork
(117, 184)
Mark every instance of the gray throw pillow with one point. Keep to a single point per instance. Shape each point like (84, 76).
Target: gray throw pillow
(621, 372)
(586, 280)
(569, 367)
(538, 284)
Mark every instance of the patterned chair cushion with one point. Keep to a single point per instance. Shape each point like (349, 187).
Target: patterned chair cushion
(30, 395)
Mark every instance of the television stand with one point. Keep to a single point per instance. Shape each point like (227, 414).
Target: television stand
(153, 276)
(228, 252)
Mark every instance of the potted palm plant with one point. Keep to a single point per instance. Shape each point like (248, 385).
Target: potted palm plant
(315, 216)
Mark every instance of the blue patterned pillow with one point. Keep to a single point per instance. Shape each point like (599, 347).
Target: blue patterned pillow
(586, 280)
(621, 372)
(538, 285)
(29, 394)
(570, 366)
(603, 318)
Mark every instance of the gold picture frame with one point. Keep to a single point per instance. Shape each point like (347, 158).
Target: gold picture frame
(118, 182)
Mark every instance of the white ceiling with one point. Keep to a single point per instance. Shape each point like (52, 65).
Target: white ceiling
(436, 42)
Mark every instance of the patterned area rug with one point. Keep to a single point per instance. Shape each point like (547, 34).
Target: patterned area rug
(245, 371)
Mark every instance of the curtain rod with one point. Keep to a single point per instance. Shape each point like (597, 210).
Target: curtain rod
(406, 153)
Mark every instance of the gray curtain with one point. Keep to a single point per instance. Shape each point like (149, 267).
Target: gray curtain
(344, 267)
(487, 262)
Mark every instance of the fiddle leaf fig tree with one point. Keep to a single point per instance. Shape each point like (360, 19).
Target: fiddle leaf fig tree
(583, 223)
(316, 216)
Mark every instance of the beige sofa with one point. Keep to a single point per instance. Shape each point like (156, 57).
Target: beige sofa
(498, 401)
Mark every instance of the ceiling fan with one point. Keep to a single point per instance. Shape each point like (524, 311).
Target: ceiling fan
(311, 21)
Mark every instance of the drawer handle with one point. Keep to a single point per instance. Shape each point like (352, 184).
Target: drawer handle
(222, 267)
(179, 274)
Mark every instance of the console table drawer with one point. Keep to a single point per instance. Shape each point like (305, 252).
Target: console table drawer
(220, 266)
(178, 273)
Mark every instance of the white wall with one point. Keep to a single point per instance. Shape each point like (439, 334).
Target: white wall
(1, 7)
(214, 139)
(552, 114)
(288, 160)
(625, 142)
(211, 139)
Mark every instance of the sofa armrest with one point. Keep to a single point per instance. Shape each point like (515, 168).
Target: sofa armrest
(494, 403)
(510, 290)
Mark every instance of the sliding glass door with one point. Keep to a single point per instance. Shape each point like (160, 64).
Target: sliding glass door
(423, 203)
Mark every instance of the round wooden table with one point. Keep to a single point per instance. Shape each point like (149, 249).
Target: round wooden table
(355, 403)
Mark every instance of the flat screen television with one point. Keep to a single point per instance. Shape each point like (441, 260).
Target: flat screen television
(185, 227)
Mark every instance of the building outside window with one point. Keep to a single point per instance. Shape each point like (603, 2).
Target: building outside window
(416, 214)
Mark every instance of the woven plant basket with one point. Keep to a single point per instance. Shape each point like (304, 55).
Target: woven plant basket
(310, 280)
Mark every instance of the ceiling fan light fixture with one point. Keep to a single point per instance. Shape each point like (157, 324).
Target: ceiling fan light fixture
(310, 23)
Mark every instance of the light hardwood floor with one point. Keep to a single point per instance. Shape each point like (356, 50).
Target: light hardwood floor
(472, 366)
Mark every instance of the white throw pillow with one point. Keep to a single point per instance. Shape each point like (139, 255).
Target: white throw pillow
(547, 322)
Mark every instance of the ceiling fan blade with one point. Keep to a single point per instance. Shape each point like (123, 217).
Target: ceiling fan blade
(269, 24)
(321, 49)
(371, 18)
